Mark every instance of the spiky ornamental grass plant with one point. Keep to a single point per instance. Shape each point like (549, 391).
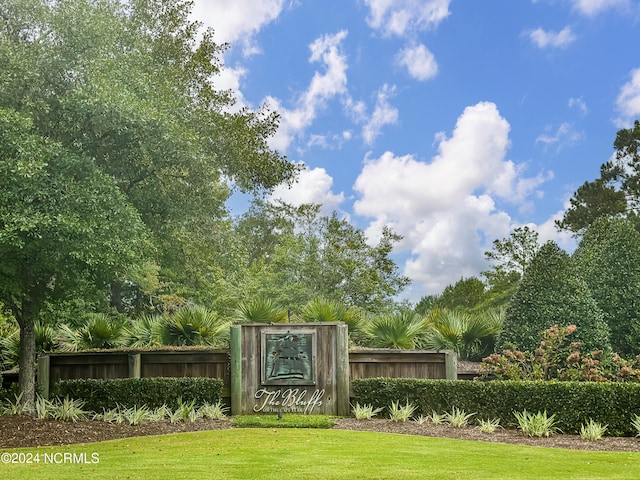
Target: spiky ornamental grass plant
(216, 411)
(592, 430)
(401, 413)
(186, 412)
(438, 418)
(68, 410)
(488, 425)
(136, 415)
(635, 422)
(458, 418)
(536, 424)
(365, 412)
(421, 419)
(44, 408)
(16, 407)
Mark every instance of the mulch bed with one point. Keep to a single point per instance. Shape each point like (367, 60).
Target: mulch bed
(26, 431)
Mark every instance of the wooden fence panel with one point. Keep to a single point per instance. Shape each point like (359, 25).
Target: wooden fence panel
(102, 365)
(397, 364)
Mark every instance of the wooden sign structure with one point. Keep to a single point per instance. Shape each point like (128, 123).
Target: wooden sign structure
(290, 368)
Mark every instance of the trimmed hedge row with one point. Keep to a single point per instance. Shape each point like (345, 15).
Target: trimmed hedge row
(129, 392)
(573, 403)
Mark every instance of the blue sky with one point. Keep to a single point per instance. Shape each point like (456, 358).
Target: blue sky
(451, 121)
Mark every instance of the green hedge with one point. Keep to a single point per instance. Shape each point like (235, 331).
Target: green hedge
(129, 392)
(573, 403)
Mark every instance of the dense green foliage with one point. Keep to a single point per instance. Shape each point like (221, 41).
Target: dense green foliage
(573, 403)
(471, 335)
(99, 395)
(113, 140)
(552, 293)
(560, 358)
(608, 258)
(315, 256)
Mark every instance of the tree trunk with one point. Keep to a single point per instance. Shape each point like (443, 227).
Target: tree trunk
(116, 296)
(27, 362)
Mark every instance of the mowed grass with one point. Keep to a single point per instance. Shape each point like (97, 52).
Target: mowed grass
(264, 453)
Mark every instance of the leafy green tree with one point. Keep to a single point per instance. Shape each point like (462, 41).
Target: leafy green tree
(425, 304)
(466, 293)
(62, 221)
(552, 293)
(615, 192)
(608, 257)
(130, 84)
(509, 258)
(111, 131)
(511, 255)
(315, 256)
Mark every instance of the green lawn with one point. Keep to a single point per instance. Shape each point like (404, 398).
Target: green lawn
(320, 454)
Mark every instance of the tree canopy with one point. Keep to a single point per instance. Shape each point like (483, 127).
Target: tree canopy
(114, 138)
(608, 258)
(615, 192)
(62, 221)
(301, 254)
(552, 293)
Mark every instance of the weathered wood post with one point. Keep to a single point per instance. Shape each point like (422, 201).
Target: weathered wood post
(450, 365)
(134, 365)
(44, 363)
(235, 344)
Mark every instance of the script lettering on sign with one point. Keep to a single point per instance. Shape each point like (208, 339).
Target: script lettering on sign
(289, 399)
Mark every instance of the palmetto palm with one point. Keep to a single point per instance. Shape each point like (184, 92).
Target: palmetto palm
(10, 343)
(323, 310)
(99, 331)
(143, 332)
(471, 336)
(194, 325)
(260, 310)
(399, 330)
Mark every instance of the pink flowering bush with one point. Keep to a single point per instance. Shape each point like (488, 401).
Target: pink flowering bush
(558, 358)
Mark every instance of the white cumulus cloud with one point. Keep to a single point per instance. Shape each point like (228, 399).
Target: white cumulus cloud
(312, 186)
(403, 17)
(419, 62)
(628, 101)
(594, 7)
(324, 86)
(445, 209)
(237, 21)
(544, 39)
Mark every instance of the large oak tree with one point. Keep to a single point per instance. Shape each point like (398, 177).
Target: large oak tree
(121, 94)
